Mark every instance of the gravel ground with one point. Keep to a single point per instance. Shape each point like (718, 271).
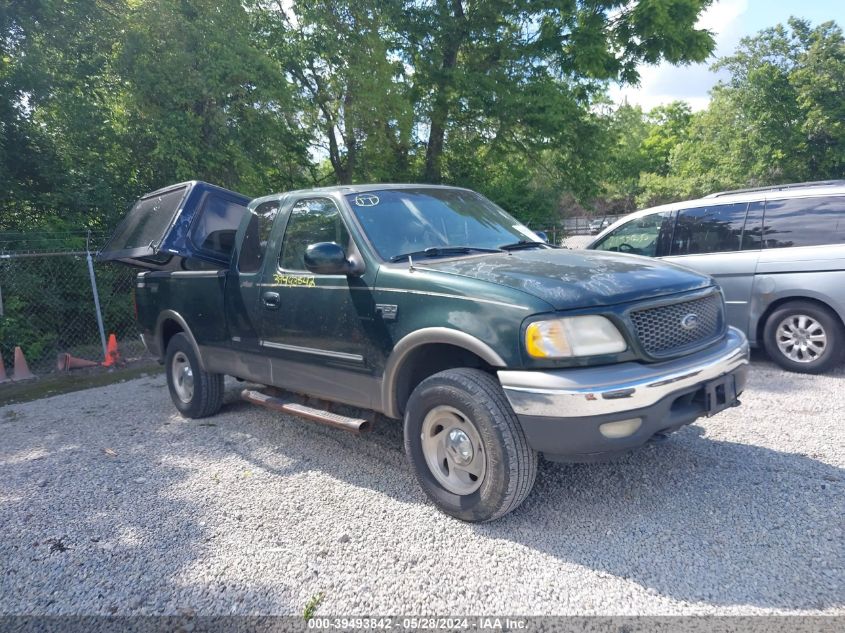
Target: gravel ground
(577, 241)
(112, 503)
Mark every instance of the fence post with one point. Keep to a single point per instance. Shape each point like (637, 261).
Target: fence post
(96, 302)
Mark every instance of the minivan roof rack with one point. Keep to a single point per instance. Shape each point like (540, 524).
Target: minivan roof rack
(792, 185)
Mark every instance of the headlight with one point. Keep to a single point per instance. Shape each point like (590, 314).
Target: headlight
(573, 336)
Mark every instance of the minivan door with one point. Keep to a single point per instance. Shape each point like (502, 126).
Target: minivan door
(722, 240)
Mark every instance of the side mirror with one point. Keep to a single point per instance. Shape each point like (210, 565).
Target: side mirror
(542, 235)
(327, 258)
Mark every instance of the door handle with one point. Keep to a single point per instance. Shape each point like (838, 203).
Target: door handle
(271, 300)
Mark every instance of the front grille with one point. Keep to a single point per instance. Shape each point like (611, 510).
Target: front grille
(663, 330)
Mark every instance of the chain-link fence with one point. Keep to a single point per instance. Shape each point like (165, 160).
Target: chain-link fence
(55, 303)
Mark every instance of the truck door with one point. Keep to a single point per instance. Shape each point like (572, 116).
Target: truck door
(316, 329)
(243, 314)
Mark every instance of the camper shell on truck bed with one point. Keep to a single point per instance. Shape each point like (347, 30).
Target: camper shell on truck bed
(187, 226)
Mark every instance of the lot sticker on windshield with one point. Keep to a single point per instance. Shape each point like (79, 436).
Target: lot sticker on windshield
(366, 200)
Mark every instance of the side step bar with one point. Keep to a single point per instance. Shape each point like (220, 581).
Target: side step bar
(289, 406)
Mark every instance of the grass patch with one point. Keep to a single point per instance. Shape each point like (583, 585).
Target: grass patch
(55, 384)
(311, 605)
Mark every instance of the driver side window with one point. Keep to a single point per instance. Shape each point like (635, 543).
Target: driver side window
(649, 235)
(311, 221)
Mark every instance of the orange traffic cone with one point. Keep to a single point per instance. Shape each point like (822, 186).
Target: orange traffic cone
(112, 355)
(66, 362)
(21, 371)
(3, 376)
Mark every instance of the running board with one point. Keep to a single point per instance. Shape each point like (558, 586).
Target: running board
(289, 406)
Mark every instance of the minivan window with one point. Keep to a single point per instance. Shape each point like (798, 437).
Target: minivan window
(710, 229)
(649, 235)
(311, 221)
(804, 222)
(752, 234)
(217, 222)
(254, 243)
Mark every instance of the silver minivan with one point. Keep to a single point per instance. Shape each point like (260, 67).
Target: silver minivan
(777, 252)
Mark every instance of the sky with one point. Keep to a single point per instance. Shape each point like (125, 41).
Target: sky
(730, 21)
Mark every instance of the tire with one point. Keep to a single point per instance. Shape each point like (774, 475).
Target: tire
(195, 393)
(474, 419)
(804, 337)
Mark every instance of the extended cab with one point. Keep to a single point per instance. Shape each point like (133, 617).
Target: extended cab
(432, 305)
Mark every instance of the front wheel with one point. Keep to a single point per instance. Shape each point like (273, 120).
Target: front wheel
(466, 445)
(804, 337)
(196, 393)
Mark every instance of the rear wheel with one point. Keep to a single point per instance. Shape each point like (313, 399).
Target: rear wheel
(804, 337)
(195, 393)
(467, 447)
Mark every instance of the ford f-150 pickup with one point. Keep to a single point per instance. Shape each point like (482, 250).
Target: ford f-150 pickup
(431, 305)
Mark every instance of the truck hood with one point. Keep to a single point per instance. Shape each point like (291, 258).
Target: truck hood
(570, 279)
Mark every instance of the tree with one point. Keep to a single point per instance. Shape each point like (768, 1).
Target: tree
(408, 79)
(668, 127)
(626, 158)
(499, 64)
(354, 96)
(204, 100)
(779, 117)
(56, 143)
(819, 83)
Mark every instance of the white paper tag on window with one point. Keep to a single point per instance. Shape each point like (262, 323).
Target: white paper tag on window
(366, 200)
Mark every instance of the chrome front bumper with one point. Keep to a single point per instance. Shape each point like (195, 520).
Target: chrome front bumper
(613, 389)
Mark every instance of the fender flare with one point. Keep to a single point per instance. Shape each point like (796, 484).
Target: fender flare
(428, 336)
(172, 315)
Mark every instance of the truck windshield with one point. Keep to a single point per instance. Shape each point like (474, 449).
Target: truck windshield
(434, 222)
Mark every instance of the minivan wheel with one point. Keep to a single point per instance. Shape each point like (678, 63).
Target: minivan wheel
(466, 445)
(804, 337)
(195, 393)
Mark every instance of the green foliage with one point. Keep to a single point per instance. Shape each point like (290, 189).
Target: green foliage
(779, 117)
(204, 100)
(496, 95)
(104, 99)
(311, 606)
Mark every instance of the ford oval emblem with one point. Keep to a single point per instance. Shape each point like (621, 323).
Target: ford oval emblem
(690, 321)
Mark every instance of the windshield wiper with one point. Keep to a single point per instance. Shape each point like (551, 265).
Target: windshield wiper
(437, 251)
(524, 244)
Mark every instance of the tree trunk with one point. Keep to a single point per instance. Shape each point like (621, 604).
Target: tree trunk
(440, 110)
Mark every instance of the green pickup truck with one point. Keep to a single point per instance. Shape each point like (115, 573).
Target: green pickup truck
(430, 305)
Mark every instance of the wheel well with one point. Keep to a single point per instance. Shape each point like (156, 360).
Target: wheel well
(761, 324)
(427, 360)
(168, 330)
